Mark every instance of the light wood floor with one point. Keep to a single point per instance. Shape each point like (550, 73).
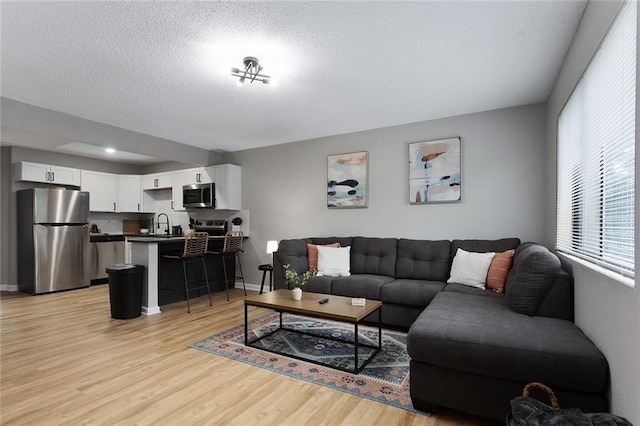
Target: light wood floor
(65, 361)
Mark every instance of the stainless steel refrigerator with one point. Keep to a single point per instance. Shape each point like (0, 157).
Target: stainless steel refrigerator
(53, 240)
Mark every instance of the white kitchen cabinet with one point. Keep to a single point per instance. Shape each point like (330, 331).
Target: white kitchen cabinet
(228, 180)
(45, 173)
(129, 193)
(200, 175)
(157, 181)
(103, 190)
(178, 180)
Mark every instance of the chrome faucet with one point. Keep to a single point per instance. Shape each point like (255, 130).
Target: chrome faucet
(165, 215)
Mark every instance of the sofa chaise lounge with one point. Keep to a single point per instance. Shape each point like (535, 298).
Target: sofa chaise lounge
(472, 350)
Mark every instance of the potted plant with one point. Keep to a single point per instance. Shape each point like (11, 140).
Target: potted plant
(296, 280)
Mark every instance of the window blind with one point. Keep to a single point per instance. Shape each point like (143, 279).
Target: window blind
(596, 154)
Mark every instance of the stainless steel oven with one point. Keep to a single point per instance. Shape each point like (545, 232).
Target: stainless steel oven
(199, 195)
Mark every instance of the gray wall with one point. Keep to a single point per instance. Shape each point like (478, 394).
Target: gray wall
(606, 310)
(284, 186)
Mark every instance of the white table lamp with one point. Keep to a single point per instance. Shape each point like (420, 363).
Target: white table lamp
(272, 246)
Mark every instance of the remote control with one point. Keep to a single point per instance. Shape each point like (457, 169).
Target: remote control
(322, 301)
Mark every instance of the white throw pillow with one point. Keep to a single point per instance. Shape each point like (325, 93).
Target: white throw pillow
(334, 261)
(470, 268)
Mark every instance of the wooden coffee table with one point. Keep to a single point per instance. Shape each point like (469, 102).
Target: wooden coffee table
(338, 308)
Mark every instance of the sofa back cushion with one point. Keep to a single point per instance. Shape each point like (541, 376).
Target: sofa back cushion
(323, 241)
(484, 246)
(376, 256)
(534, 271)
(423, 260)
(294, 253)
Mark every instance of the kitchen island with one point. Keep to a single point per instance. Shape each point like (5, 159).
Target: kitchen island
(164, 280)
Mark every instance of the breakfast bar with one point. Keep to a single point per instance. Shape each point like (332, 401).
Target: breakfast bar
(159, 275)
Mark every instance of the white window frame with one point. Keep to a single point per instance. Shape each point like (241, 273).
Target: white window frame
(596, 157)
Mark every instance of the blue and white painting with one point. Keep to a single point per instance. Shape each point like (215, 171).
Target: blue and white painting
(434, 171)
(347, 180)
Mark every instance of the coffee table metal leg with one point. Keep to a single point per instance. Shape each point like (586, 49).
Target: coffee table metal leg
(246, 326)
(356, 347)
(379, 328)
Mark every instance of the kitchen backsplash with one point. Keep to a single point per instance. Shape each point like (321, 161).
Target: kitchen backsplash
(112, 223)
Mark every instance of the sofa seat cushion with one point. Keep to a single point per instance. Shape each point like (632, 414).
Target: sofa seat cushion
(482, 335)
(360, 285)
(318, 285)
(410, 292)
(461, 288)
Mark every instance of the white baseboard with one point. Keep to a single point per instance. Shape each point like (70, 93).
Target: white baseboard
(150, 311)
(8, 287)
(252, 287)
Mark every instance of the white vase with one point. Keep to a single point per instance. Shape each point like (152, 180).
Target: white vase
(296, 293)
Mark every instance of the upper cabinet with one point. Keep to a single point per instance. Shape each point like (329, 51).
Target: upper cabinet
(103, 190)
(129, 194)
(157, 181)
(228, 180)
(200, 175)
(45, 173)
(114, 193)
(178, 180)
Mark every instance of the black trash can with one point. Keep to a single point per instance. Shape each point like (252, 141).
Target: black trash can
(125, 290)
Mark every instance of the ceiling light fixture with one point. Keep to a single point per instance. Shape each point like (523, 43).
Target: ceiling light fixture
(250, 72)
(110, 150)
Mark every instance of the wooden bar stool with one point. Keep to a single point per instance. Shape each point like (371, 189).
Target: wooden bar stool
(232, 248)
(195, 248)
(266, 268)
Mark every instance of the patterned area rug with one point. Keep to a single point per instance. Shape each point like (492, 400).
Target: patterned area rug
(385, 379)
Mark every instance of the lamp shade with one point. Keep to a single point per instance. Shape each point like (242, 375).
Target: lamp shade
(272, 246)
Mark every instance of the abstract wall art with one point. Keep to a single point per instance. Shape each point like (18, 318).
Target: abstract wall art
(434, 171)
(347, 184)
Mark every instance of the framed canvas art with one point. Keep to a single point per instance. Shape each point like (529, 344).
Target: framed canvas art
(434, 171)
(347, 185)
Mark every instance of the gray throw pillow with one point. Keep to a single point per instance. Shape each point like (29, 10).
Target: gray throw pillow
(534, 271)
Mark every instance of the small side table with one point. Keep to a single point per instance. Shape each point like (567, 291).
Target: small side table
(266, 268)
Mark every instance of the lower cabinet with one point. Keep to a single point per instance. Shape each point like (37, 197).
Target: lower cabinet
(171, 275)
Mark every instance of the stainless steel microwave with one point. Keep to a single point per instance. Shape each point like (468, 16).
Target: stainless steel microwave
(199, 195)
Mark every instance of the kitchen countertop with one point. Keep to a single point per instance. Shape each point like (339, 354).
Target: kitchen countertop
(101, 237)
(162, 238)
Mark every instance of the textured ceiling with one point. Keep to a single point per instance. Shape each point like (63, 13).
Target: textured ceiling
(163, 68)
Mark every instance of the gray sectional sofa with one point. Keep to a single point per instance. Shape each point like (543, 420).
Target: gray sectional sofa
(471, 350)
